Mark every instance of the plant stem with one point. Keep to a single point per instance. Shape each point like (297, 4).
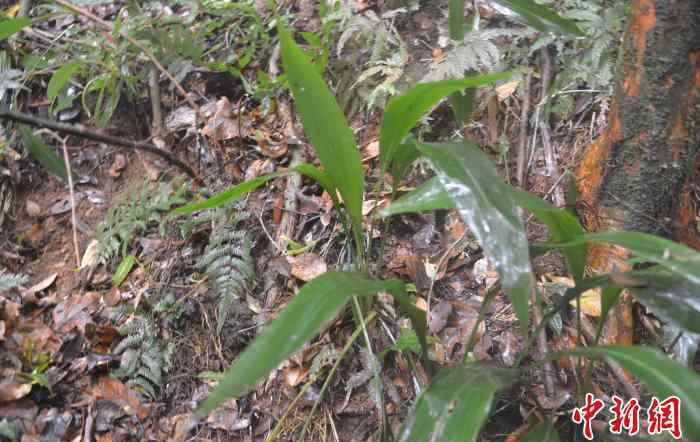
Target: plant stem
(359, 329)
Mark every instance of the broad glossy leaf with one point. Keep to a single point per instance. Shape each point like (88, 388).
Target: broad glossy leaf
(663, 376)
(325, 126)
(47, 157)
(541, 17)
(61, 77)
(462, 104)
(455, 404)
(123, 270)
(12, 26)
(562, 225)
(671, 297)
(231, 194)
(405, 110)
(405, 155)
(543, 432)
(487, 207)
(676, 257)
(316, 304)
(428, 196)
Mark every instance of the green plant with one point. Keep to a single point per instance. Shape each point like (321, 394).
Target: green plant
(458, 400)
(230, 268)
(144, 360)
(137, 210)
(10, 280)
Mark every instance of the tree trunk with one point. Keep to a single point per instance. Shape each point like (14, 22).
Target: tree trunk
(637, 174)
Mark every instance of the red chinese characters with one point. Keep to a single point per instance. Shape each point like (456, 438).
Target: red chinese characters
(665, 416)
(587, 413)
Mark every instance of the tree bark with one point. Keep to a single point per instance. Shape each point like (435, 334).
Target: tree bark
(637, 174)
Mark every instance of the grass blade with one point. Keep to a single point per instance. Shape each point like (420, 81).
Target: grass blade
(543, 432)
(318, 302)
(404, 111)
(325, 126)
(541, 17)
(456, 404)
(47, 157)
(227, 196)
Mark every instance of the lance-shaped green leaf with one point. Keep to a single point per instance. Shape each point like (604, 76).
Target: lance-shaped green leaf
(227, 196)
(61, 77)
(325, 126)
(428, 196)
(404, 156)
(663, 376)
(405, 110)
(670, 296)
(487, 207)
(563, 226)
(321, 177)
(543, 432)
(316, 304)
(47, 157)
(541, 17)
(456, 404)
(456, 19)
(12, 26)
(676, 257)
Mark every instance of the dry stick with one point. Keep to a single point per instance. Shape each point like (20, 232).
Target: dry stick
(66, 160)
(82, 131)
(289, 219)
(542, 342)
(147, 52)
(522, 144)
(549, 154)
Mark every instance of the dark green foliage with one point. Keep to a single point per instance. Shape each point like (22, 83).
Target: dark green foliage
(135, 213)
(229, 267)
(144, 360)
(10, 280)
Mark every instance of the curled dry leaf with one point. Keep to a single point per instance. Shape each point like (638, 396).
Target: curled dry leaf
(307, 266)
(223, 124)
(91, 255)
(118, 165)
(114, 390)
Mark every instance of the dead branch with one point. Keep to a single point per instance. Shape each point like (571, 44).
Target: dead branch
(84, 132)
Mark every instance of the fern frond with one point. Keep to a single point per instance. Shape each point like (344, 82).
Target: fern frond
(10, 280)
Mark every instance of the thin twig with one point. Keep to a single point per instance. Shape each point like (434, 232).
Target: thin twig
(82, 131)
(147, 52)
(542, 342)
(71, 192)
(522, 142)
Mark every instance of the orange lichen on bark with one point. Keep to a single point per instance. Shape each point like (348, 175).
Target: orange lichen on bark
(591, 171)
(643, 20)
(695, 61)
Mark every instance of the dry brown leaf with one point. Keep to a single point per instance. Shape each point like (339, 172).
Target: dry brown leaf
(75, 312)
(118, 165)
(307, 266)
(114, 390)
(507, 89)
(33, 209)
(11, 391)
(223, 125)
(590, 302)
(371, 150)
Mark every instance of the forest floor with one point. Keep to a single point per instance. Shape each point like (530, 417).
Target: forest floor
(59, 333)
